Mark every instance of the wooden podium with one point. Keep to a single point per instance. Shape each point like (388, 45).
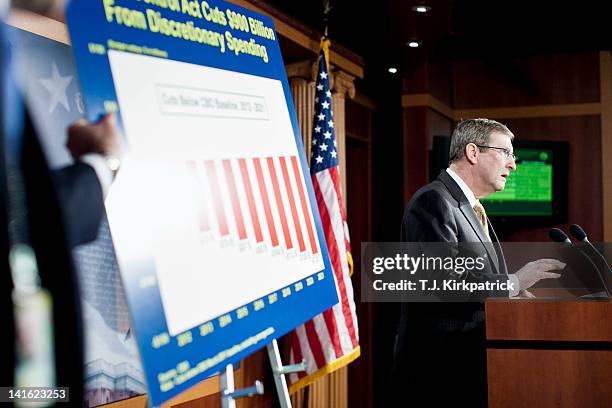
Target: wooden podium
(549, 353)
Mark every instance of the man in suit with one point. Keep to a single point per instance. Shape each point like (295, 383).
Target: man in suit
(49, 212)
(440, 354)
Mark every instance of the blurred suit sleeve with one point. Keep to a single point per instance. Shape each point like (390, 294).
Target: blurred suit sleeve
(81, 202)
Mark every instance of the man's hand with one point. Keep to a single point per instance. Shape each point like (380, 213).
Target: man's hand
(101, 137)
(526, 294)
(534, 271)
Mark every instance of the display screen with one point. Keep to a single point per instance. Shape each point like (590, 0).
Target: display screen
(529, 189)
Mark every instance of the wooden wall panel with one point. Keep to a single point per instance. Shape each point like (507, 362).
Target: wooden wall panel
(605, 71)
(416, 153)
(554, 320)
(584, 173)
(438, 125)
(415, 81)
(549, 378)
(540, 80)
(440, 80)
(359, 122)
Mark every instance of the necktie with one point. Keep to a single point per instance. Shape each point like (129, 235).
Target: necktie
(482, 217)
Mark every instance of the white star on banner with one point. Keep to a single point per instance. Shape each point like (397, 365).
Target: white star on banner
(331, 123)
(327, 134)
(319, 159)
(333, 154)
(318, 129)
(314, 142)
(57, 86)
(325, 105)
(328, 94)
(323, 75)
(323, 147)
(321, 116)
(320, 87)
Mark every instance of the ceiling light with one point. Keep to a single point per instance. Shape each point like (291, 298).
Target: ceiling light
(392, 70)
(413, 44)
(421, 9)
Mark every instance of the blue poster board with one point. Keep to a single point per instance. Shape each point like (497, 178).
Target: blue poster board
(213, 216)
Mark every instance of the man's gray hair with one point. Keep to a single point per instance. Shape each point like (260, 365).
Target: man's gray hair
(477, 131)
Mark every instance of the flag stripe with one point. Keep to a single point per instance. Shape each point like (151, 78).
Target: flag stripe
(325, 193)
(251, 200)
(294, 213)
(314, 343)
(329, 316)
(279, 203)
(307, 214)
(296, 351)
(266, 201)
(327, 333)
(337, 187)
(203, 223)
(213, 181)
(333, 254)
(305, 348)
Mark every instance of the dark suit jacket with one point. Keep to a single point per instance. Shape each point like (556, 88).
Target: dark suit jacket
(81, 202)
(439, 354)
(440, 212)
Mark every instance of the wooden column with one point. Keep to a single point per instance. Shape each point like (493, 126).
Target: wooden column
(301, 77)
(343, 85)
(415, 133)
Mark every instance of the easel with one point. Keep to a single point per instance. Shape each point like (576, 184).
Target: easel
(229, 394)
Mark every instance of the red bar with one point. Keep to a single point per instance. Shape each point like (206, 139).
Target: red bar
(266, 202)
(294, 213)
(250, 199)
(203, 223)
(231, 184)
(279, 201)
(307, 214)
(213, 181)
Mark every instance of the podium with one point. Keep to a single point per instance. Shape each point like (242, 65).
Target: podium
(549, 353)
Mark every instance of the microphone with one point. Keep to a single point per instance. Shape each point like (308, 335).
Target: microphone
(558, 235)
(578, 233)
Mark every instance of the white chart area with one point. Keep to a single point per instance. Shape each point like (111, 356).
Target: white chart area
(211, 188)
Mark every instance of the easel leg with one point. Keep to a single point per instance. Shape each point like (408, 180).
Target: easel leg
(279, 372)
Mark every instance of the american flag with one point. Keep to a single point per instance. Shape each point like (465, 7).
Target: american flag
(331, 339)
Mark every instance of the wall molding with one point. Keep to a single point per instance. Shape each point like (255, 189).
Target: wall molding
(536, 111)
(430, 101)
(510, 112)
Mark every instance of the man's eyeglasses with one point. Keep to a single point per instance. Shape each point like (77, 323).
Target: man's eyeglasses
(507, 153)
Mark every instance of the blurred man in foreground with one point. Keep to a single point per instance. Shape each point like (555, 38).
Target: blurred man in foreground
(43, 214)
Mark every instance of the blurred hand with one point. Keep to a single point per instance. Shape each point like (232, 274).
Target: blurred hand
(101, 137)
(535, 271)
